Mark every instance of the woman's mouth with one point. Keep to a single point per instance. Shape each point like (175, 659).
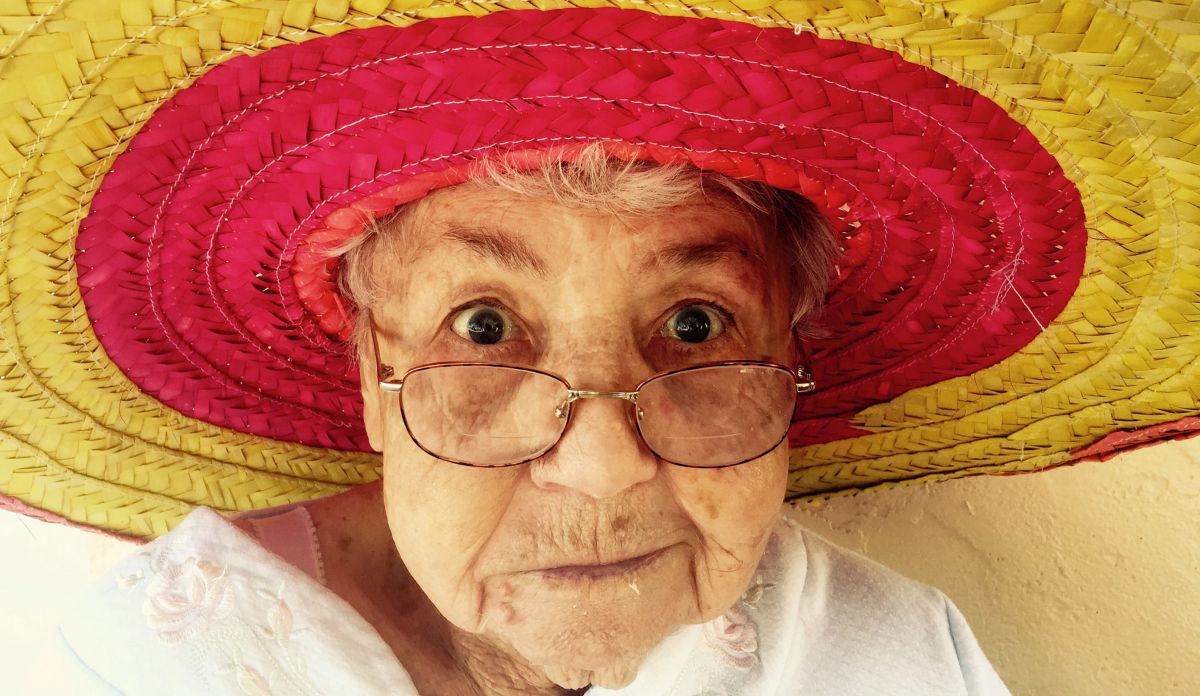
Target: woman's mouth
(595, 572)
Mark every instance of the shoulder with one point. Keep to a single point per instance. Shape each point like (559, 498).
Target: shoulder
(209, 611)
(854, 626)
(842, 581)
(150, 612)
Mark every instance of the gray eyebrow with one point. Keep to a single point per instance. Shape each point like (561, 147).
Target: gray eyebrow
(501, 246)
(686, 255)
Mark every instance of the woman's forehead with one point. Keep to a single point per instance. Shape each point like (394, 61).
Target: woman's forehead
(529, 234)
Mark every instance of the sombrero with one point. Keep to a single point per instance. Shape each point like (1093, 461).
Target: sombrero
(1013, 186)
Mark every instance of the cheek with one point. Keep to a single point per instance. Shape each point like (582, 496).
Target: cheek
(734, 510)
(441, 515)
(737, 501)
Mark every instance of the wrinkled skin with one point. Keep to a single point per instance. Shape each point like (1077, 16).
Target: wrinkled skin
(482, 543)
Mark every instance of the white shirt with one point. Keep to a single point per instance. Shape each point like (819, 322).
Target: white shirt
(207, 610)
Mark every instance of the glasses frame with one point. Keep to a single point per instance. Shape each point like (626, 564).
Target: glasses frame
(389, 383)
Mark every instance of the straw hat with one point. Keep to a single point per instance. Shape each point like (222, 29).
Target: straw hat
(1014, 185)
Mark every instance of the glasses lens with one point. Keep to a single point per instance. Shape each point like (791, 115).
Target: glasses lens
(483, 415)
(717, 416)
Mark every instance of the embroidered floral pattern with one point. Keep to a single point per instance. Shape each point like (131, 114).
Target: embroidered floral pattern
(181, 598)
(279, 616)
(209, 599)
(733, 638)
(251, 682)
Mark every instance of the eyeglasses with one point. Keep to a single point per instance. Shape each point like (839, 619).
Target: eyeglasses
(491, 415)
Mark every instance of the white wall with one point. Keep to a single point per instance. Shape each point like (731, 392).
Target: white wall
(1083, 580)
(43, 569)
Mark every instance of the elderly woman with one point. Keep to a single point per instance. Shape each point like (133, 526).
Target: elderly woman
(580, 377)
(563, 269)
(603, 345)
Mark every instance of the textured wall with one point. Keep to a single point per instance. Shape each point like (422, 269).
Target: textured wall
(1083, 580)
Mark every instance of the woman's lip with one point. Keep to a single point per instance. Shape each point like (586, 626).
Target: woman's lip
(580, 572)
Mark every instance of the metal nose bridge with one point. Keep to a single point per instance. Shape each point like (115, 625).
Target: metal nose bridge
(574, 395)
(577, 394)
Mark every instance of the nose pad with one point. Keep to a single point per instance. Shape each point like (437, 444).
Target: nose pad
(633, 412)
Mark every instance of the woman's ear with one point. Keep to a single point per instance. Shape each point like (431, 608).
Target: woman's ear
(371, 394)
(800, 355)
(797, 348)
(372, 418)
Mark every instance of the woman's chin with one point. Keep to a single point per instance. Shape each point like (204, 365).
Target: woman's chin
(601, 628)
(594, 645)
(603, 647)
(614, 677)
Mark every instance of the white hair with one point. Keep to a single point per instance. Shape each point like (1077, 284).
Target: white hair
(595, 182)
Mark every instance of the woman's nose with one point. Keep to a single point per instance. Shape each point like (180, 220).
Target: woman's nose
(600, 454)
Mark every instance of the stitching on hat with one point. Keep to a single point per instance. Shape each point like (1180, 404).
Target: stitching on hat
(31, 27)
(460, 102)
(158, 407)
(85, 82)
(176, 82)
(1131, 120)
(252, 340)
(1008, 279)
(212, 290)
(1009, 271)
(878, 336)
(1017, 211)
(56, 467)
(1136, 21)
(721, 58)
(182, 455)
(625, 49)
(153, 300)
(8, 215)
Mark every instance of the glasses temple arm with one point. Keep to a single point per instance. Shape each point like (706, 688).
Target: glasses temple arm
(383, 373)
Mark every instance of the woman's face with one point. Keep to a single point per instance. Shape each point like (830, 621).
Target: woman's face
(529, 556)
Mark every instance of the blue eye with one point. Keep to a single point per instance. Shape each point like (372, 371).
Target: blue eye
(694, 324)
(483, 325)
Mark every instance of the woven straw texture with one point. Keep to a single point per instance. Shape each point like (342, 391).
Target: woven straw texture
(1073, 332)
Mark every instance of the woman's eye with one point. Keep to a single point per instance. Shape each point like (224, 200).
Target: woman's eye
(694, 324)
(483, 325)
